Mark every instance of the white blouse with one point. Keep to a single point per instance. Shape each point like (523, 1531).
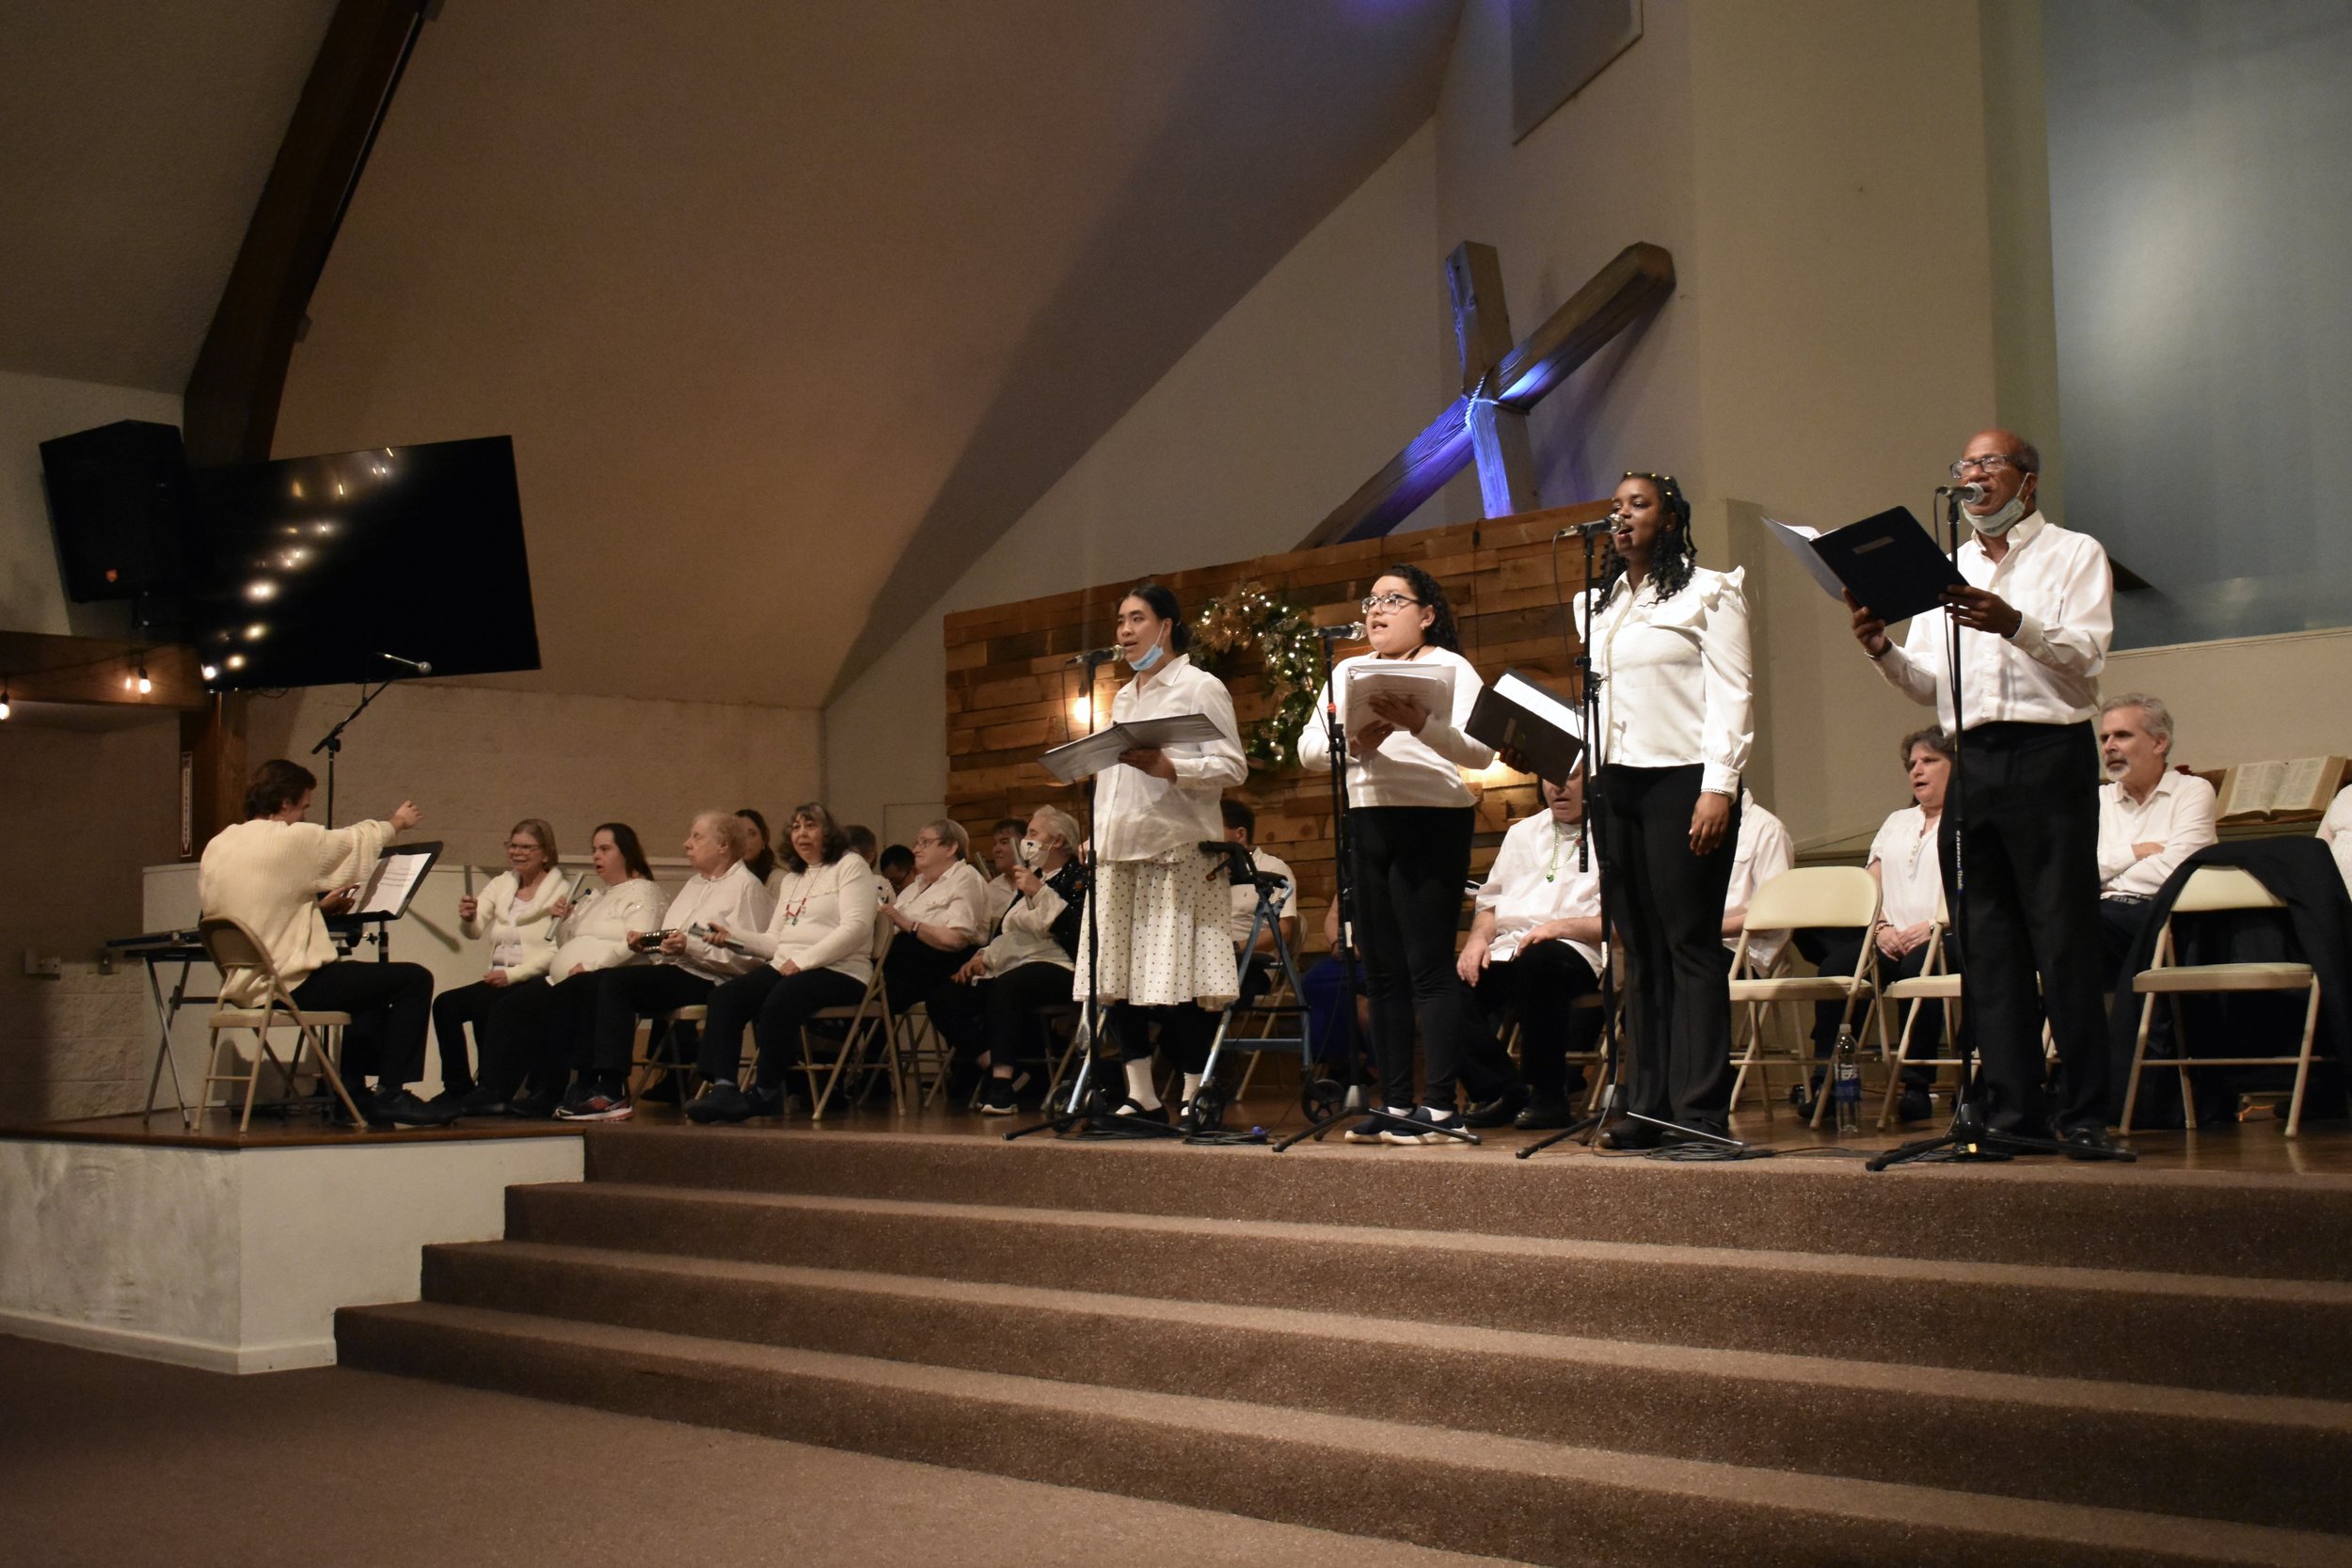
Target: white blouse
(735, 899)
(1537, 879)
(1424, 770)
(824, 919)
(595, 934)
(1675, 677)
(1138, 817)
(953, 899)
(1911, 877)
(522, 930)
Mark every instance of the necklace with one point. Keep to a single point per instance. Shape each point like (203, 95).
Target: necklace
(792, 912)
(1558, 836)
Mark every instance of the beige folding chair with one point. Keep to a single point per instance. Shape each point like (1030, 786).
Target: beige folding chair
(1935, 982)
(2209, 890)
(1822, 896)
(870, 1020)
(650, 1063)
(233, 949)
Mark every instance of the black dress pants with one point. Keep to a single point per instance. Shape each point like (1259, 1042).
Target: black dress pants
(452, 1010)
(775, 1005)
(997, 1017)
(2029, 810)
(1669, 909)
(1540, 986)
(633, 991)
(535, 1031)
(389, 1003)
(1410, 864)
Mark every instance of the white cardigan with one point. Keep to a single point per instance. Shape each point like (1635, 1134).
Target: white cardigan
(595, 934)
(522, 930)
(268, 874)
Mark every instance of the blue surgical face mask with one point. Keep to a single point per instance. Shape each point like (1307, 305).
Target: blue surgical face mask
(1148, 660)
(1998, 523)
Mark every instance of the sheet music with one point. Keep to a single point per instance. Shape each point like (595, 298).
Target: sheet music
(1090, 755)
(1799, 541)
(1431, 685)
(393, 881)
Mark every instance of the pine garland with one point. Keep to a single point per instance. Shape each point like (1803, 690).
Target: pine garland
(1248, 618)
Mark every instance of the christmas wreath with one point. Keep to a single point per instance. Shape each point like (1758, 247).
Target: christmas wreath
(1248, 618)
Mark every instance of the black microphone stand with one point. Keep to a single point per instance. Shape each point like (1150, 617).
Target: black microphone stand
(1327, 1104)
(1969, 1140)
(332, 743)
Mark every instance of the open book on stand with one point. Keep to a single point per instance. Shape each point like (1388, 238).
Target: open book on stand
(1887, 561)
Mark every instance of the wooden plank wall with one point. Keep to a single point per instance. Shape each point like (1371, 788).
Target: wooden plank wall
(1010, 695)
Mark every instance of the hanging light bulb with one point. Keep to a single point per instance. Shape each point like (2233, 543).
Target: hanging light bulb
(146, 685)
(3, 699)
(211, 672)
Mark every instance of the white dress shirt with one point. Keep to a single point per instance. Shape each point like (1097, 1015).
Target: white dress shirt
(1764, 851)
(1001, 892)
(734, 899)
(595, 934)
(1138, 817)
(2178, 813)
(952, 899)
(2059, 583)
(2335, 832)
(1911, 877)
(1246, 897)
(1535, 878)
(1424, 770)
(521, 931)
(1675, 677)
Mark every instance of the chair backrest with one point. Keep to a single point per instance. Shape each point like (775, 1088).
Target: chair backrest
(1809, 895)
(884, 931)
(2223, 887)
(229, 945)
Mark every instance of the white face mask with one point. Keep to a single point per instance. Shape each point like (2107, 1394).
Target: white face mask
(1030, 852)
(1997, 523)
(1148, 660)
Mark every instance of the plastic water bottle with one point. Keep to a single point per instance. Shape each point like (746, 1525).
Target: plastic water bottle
(1846, 1079)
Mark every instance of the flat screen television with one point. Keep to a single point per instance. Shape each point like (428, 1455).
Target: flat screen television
(312, 570)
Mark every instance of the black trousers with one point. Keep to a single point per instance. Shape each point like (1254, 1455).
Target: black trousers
(1669, 907)
(452, 1010)
(537, 1031)
(389, 1003)
(633, 991)
(2029, 810)
(1186, 1032)
(1539, 985)
(1839, 950)
(997, 1017)
(1410, 864)
(776, 1005)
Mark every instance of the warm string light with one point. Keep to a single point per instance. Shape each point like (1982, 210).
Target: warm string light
(4, 700)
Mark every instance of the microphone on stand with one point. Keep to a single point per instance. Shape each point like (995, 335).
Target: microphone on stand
(1969, 493)
(1586, 531)
(1091, 657)
(1352, 632)
(420, 666)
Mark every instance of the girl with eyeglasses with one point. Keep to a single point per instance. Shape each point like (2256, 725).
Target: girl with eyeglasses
(1669, 647)
(1411, 818)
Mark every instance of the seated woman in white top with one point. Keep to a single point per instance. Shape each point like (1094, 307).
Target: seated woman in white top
(527, 1045)
(759, 855)
(990, 1015)
(938, 917)
(819, 952)
(515, 916)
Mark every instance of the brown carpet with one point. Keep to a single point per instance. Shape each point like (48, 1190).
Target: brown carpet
(109, 1463)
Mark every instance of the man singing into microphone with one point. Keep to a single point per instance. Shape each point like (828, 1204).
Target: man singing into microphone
(2035, 619)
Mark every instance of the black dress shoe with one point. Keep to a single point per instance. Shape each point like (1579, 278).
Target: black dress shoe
(1915, 1105)
(1627, 1133)
(718, 1102)
(1499, 1111)
(1542, 1112)
(2089, 1141)
(404, 1109)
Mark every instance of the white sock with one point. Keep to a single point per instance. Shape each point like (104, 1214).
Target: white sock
(1192, 1088)
(1139, 1087)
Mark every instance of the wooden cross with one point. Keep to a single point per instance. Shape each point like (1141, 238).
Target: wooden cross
(1487, 424)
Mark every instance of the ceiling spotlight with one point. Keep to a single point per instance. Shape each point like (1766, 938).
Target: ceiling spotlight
(236, 661)
(261, 589)
(297, 489)
(255, 632)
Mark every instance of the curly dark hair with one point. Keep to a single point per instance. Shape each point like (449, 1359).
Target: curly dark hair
(1672, 554)
(836, 843)
(1441, 633)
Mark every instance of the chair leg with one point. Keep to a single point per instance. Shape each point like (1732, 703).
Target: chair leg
(253, 1076)
(2303, 1065)
(1895, 1068)
(2139, 1059)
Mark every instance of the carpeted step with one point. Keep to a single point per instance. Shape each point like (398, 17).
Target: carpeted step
(1470, 1492)
(2250, 1337)
(2223, 1456)
(2289, 1226)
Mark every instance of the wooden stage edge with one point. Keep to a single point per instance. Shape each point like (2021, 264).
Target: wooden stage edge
(2322, 1154)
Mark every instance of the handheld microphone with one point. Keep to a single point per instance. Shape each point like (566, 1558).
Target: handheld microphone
(1970, 493)
(420, 666)
(1352, 632)
(1093, 655)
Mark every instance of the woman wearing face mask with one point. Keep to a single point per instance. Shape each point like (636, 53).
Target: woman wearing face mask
(515, 915)
(527, 1049)
(990, 1012)
(1669, 646)
(1161, 908)
(1411, 818)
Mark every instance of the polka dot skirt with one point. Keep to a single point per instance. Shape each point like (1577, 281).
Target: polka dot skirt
(1162, 925)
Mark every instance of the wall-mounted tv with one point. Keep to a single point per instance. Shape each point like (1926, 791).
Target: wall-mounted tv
(314, 569)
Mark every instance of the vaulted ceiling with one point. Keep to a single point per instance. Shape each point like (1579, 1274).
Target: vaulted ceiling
(791, 309)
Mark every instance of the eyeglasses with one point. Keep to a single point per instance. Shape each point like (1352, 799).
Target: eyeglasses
(923, 841)
(1990, 462)
(1387, 601)
(520, 844)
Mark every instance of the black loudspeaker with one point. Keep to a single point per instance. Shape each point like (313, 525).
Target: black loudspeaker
(118, 500)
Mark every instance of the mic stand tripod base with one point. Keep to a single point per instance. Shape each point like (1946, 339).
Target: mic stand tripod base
(1969, 1141)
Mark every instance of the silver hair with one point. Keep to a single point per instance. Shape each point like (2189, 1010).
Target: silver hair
(951, 831)
(731, 827)
(2159, 716)
(1060, 824)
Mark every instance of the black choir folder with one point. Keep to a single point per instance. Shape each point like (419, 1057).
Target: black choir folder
(1887, 562)
(1515, 714)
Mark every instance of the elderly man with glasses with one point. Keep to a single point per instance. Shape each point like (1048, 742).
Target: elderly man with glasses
(2032, 625)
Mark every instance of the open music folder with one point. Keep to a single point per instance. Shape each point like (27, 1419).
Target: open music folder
(1090, 755)
(1515, 714)
(1888, 561)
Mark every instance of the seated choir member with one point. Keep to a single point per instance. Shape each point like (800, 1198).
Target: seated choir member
(1765, 850)
(938, 916)
(1911, 886)
(1329, 1029)
(865, 847)
(1534, 949)
(683, 969)
(515, 915)
(990, 1015)
(897, 867)
(534, 1029)
(1241, 827)
(759, 856)
(817, 951)
(1004, 853)
(2335, 832)
(2151, 818)
(267, 873)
